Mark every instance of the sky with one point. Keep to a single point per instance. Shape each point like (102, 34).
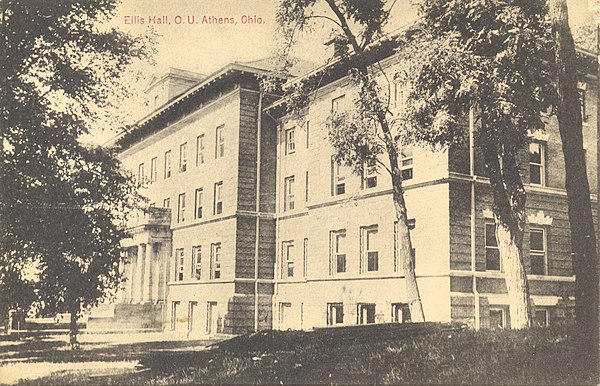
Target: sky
(206, 47)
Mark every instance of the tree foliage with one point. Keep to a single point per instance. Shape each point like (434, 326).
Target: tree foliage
(489, 56)
(62, 203)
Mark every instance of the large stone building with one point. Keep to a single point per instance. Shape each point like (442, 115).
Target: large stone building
(261, 229)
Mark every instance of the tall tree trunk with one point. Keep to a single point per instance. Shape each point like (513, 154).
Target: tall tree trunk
(583, 237)
(404, 241)
(368, 89)
(509, 210)
(73, 330)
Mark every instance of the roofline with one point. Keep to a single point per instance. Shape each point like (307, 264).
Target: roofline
(203, 84)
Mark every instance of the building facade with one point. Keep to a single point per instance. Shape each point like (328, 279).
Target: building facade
(260, 228)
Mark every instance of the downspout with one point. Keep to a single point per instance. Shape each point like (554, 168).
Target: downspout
(257, 209)
(473, 223)
(276, 275)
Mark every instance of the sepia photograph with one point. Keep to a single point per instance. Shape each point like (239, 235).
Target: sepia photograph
(338, 192)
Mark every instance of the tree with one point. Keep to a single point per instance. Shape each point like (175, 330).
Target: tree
(63, 204)
(485, 57)
(361, 135)
(583, 236)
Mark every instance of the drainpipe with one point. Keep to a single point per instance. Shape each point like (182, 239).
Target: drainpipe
(275, 314)
(473, 224)
(257, 209)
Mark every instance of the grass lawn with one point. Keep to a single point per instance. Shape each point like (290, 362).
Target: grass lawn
(406, 354)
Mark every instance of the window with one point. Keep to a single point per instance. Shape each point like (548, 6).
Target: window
(290, 141)
(337, 263)
(335, 314)
(167, 203)
(192, 307)
(537, 163)
(370, 254)
(284, 309)
(406, 163)
(365, 313)
(497, 318)
(200, 150)
(492, 253)
(337, 104)
(198, 204)
(141, 174)
(168, 164)
(537, 251)
(306, 187)
(181, 208)
(174, 306)
(215, 259)
(220, 142)
(218, 207)
(413, 252)
(581, 88)
(179, 264)
(183, 157)
(400, 313)
(307, 133)
(288, 259)
(338, 180)
(196, 261)
(399, 94)
(369, 174)
(288, 200)
(305, 257)
(541, 318)
(154, 169)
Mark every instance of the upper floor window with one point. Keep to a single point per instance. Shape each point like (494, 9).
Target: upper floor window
(370, 249)
(492, 253)
(154, 169)
(167, 203)
(537, 251)
(307, 133)
(179, 264)
(337, 260)
(183, 157)
(289, 193)
(198, 203)
(288, 259)
(290, 141)
(369, 174)
(338, 179)
(399, 94)
(200, 150)
(337, 104)
(406, 163)
(196, 261)
(220, 142)
(581, 88)
(167, 164)
(218, 207)
(141, 177)
(305, 257)
(537, 163)
(181, 208)
(215, 259)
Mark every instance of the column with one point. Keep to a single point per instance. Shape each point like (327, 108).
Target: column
(147, 285)
(131, 278)
(156, 261)
(139, 283)
(121, 293)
